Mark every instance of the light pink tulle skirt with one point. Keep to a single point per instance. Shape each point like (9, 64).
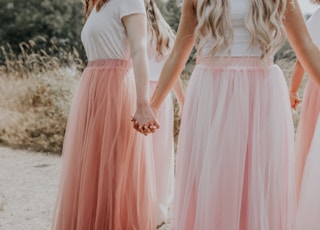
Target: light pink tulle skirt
(163, 150)
(235, 163)
(107, 175)
(309, 202)
(308, 119)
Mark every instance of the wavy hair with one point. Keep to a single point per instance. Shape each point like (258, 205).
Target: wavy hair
(315, 1)
(263, 21)
(160, 31)
(89, 4)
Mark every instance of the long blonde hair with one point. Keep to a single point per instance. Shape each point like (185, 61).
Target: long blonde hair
(160, 31)
(264, 23)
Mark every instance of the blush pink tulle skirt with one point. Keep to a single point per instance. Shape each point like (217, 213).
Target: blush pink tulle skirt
(308, 119)
(309, 201)
(235, 162)
(107, 178)
(163, 149)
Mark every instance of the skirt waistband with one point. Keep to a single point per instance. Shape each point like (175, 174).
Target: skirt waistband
(110, 62)
(234, 62)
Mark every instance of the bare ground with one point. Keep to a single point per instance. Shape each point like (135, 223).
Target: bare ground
(28, 187)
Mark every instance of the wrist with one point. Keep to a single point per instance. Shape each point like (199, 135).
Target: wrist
(293, 91)
(143, 103)
(154, 105)
(180, 100)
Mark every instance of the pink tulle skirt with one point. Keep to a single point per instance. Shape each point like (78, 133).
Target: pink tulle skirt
(308, 119)
(107, 174)
(309, 202)
(235, 163)
(163, 150)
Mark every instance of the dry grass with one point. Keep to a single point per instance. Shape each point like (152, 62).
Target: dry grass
(36, 93)
(35, 96)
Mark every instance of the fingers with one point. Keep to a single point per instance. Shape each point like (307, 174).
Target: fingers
(295, 103)
(156, 124)
(145, 129)
(135, 123)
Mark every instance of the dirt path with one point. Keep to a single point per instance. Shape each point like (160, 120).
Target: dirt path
(28, 186)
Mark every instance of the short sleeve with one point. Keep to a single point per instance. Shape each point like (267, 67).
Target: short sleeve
(313, 25)
(128, 7)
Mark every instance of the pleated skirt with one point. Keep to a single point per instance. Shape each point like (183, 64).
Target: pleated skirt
(107, 180)
(308, 119)
(309, 201)
(235, 162)
(163, 150)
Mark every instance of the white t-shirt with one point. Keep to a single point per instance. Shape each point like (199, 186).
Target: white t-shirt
(156, 61)
(313, 25)
(104, 36)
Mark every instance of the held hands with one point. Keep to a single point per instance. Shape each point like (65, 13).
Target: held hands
(144, 119)
(294, 100)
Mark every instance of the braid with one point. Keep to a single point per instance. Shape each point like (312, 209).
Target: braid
(154, 25)
(100, 3)
(86, 8)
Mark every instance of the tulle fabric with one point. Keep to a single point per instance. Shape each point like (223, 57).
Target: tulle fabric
(107, 174)
(235, 163)
(309, 202)
(163, 150)
(308, 119)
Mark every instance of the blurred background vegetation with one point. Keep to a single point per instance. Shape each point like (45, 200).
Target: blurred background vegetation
(43, 22)
(41, 59)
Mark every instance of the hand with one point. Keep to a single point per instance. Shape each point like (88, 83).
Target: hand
(294, 100)
(144, 120)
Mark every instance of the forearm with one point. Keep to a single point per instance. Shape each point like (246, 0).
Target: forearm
(178, 91)
(300, 40)
(141, 73)
(310, 60)
(178, 57)
(297, 76)
(169, 75)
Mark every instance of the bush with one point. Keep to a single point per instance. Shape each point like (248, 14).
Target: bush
(36, 90)
(58, 20)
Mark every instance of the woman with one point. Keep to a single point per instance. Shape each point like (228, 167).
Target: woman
(107, 173)
(235, 161)
(162, 140)
(310, 106)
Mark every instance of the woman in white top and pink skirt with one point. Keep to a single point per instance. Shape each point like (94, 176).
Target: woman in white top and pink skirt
(235, 163)
(308, 142)
(310, 109)
(108, 177)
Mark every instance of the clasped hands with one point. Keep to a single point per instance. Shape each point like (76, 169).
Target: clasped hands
(145, 120)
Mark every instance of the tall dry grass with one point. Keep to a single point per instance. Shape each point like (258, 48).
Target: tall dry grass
(36, 89)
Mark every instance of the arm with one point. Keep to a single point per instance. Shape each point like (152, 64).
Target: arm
(137, 36)
(178, 55)
(297, 76)
(300, 40)
(178, 92)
